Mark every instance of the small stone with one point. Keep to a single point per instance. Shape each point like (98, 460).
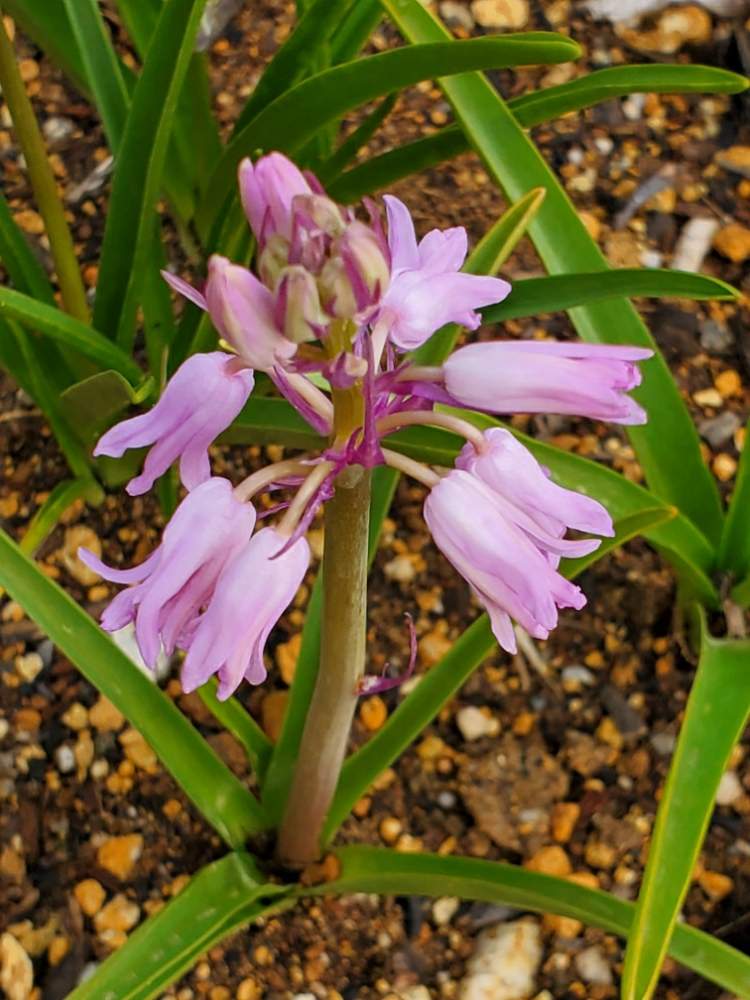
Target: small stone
(16, 970)
(675, 27)
(736, 159)
(28, 667)
(718, 430)
(138, 751)
(373, 713)
(79, 536)
(663, 743)
(474, 723)
(714, 337)
(500, 13)
(715, 885)
(456, 15)
(12, 865)
(504, 964)
(600, 855)
(83, 752)
(592, 224)
(550, 860)
(724, 467)
(563, 820)
(114, 920)
(29, 69)
(390, 829)
(57, 128)
(708, 397)
(119, 855)
(287, 654)
(444, 909)
(593, 967)
(58, 948)
(65, 759)
(728, 383)
(401, 569)
(433, 646)
(272, 713)
(733, 241)
(90, 896)
(564, 927)
(30, 221)
(730, 789)
(575, 677)
(105, 717)
(76, 717)
(249, 990)
(9, 506)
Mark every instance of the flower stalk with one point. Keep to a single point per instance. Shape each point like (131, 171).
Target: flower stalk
(342, 660)
(42, 180)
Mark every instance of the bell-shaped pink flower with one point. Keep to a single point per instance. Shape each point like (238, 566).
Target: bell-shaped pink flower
(201, 400)
(509, 573)
(267, 189)
(242, 309)
(250, 597)
(540, 376)
(170, 588)
(427, 289)
(533, 502)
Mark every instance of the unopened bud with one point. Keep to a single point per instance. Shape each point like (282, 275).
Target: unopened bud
(365, 262)
(297, 306)
(336, 289)
(272, 259)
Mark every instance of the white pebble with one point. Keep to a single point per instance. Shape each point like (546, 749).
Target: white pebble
(730, 789)
(505, 963)
(474, 724)
(593, 967)
(444, 909)
(65, 759)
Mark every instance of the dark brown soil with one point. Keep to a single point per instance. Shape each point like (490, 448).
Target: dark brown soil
(579, 736)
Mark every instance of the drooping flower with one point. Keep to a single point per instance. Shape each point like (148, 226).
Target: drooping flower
(540, 376)
(512, 472)
(170, 588)
(427, 289)
(201, 400)
(253, 591)
(508, 571)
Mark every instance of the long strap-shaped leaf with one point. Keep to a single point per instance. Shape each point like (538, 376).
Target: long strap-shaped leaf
(716, 714)
(668, 446)
(734, 552)
(532, 109)
(215, 791)
(294, 117)
(129, 233)
(373, 869)
(223, 897)
(68, 331)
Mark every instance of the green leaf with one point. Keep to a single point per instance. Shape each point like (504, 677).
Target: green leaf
(533, 109)
(47, 24)
(68, 331)
(222, 898)
(211, 786)
(102, 67)
(377, 869)
(734, 551)
(668, 447)
(94, 403)
(46, 519)
(355, 30)
(533, 296)
(296, 115)
(361, 135)
(138, 175)
(236, 718)
(271, 420)
(715, 717)
(23, 268)
(626, 528)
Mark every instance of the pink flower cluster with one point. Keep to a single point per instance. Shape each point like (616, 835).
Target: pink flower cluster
(358, 295)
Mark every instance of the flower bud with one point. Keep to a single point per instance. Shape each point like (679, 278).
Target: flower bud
(336, 291)
(297, 306)
(272, 259)
(365, 262)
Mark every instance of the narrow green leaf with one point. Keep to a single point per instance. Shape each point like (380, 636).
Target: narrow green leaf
(715, 717)
(23, 268)
(68, 331)
(46, 519)
(668, 447)
(214, 790)
(222, 898)
(296, 115)
(93, 403)
(271, 420)
(626, 528)
(138, 176)
(489, 255)
(361, 135)
(533, 296)
(236, 718)
(355, 30)
(377, 869)
(47, 24)
(734, 551)
(101, 65)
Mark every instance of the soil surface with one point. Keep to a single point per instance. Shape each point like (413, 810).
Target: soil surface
(555, 758)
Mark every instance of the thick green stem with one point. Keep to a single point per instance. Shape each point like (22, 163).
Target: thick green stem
(42, 180)
(342, 658)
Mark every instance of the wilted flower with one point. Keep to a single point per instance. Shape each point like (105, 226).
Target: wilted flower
(201, 400)
(542, 376)
(252, 593)
(170, 588)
